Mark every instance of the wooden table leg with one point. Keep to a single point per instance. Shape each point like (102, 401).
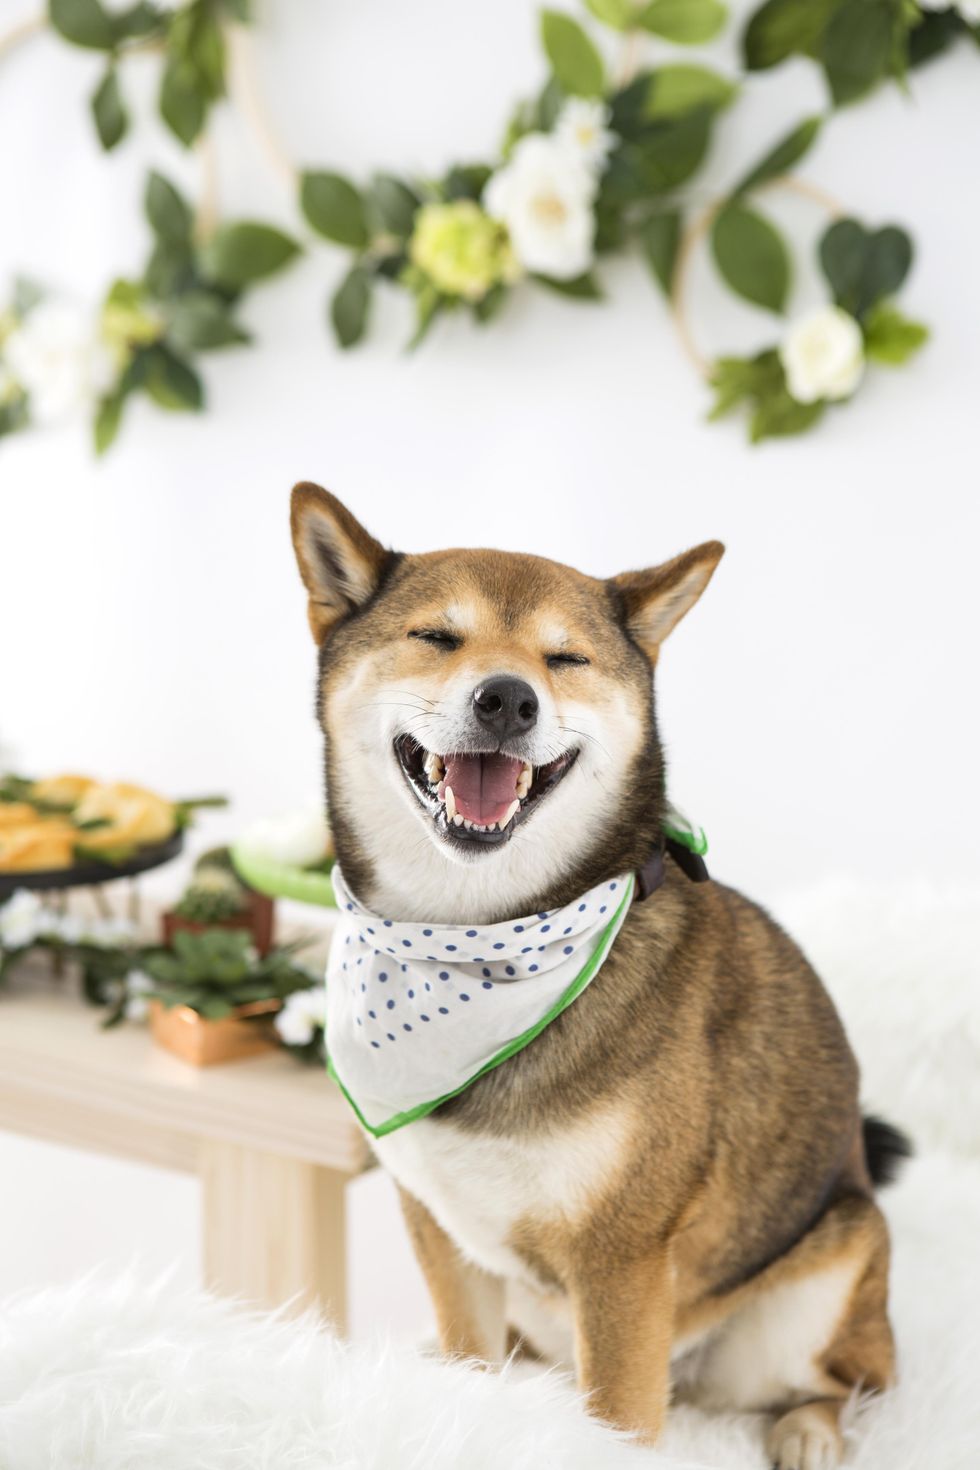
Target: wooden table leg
(274, 1229)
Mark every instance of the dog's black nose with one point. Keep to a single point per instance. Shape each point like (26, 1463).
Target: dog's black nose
(505, 705)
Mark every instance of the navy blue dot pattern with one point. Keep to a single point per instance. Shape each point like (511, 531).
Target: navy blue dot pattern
(456, 996)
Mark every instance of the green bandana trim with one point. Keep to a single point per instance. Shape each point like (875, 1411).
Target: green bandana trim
(679, 829)
(587, 973)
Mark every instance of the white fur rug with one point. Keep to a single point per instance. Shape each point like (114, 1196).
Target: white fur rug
(125, 1376)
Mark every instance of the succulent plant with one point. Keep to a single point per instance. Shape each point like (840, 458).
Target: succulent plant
(213, 895)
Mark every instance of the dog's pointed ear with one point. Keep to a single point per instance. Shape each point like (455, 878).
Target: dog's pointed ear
(340, 563)
(655, 600)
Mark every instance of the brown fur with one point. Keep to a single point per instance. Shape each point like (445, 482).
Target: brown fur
(746, 1162)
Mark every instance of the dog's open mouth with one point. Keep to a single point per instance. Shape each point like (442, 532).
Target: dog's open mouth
(478, 798)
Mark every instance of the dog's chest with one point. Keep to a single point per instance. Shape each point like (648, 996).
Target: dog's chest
(482, 1188)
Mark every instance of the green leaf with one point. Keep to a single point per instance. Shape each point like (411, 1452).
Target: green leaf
(751, 256)
(202, 322)
(582, 288)
(664, 156)
(688, 22)
(171, 382)
(933, 34)
(783, 28)
(761, 383)
(661, 236)
(574, 60)
(737, 379)
(428, 304)
(549, 104)
(858, 47)
(466, 181)
(242, 253)
(83, 22)
(780, 416)
(334, 208)
(108, 418)
(169, 270)
(206, 50)
(890, 337)
(168, 212)
(109, 111)
(183, 105)
(138, 21)
(618, 14)
(864, 268)
(888, 262)
(490, 305)
(349, 307)
(26, 295)
(675, 90)
(240, 10)
(781, 159)
(395, 205)
(843, 250)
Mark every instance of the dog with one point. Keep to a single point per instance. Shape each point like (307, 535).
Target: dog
(672, 1182)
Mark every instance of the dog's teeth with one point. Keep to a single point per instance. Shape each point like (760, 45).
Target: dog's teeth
(450, 801)
(509, 813)
(524, 779)
(433, 768)
(458, 819)
(468, 824)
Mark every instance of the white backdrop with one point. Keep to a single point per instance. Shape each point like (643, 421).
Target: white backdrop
(819, 706)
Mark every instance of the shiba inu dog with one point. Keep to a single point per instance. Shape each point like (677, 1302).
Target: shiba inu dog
(672, 1184)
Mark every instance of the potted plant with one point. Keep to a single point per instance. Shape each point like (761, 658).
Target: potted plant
(212, 995)
(217, 898)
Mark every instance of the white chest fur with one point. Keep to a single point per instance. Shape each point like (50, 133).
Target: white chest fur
(480, 1188)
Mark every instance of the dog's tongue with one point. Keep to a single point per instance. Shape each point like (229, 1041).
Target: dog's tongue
(484, 786)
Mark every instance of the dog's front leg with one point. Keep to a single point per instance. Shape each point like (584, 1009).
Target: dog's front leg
(623, 1313)
(470, 1303)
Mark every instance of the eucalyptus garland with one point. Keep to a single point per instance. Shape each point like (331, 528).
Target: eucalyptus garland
(599, 163)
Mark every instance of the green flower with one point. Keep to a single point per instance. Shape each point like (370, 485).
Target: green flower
(461, 250)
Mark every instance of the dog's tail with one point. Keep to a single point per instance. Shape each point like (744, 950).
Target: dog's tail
(886, 1149)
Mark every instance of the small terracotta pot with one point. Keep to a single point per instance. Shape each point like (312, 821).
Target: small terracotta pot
(203, 1042)
(258, 919)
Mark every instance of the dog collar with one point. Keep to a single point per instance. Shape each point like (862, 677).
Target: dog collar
(417, 1012)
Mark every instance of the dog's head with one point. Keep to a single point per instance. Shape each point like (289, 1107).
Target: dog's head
(490, 731)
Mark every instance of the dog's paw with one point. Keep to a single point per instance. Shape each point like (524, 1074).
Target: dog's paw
(807, 1438)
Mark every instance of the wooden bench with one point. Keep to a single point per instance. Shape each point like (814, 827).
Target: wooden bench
(272, 1142)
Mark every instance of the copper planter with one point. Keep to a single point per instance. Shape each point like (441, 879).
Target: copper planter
(205, 1043)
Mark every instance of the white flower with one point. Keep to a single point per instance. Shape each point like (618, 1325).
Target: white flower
(136, 985)
(544, 196)
(581, 127)
(22, 919)
(109, 933)
(57, 358)
(823, 355)
(303, 1013)
(298, 838)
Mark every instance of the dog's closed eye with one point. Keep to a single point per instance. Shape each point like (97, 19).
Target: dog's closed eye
(438, 637)
(561, 660)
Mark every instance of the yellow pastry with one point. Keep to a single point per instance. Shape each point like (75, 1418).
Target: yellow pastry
(49, 843)
(132, 817)
(16, 814)
(63, 790)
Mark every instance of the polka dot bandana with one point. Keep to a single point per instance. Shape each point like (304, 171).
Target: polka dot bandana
(416, 1012)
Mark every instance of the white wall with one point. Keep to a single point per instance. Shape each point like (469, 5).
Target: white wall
(150, 619)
